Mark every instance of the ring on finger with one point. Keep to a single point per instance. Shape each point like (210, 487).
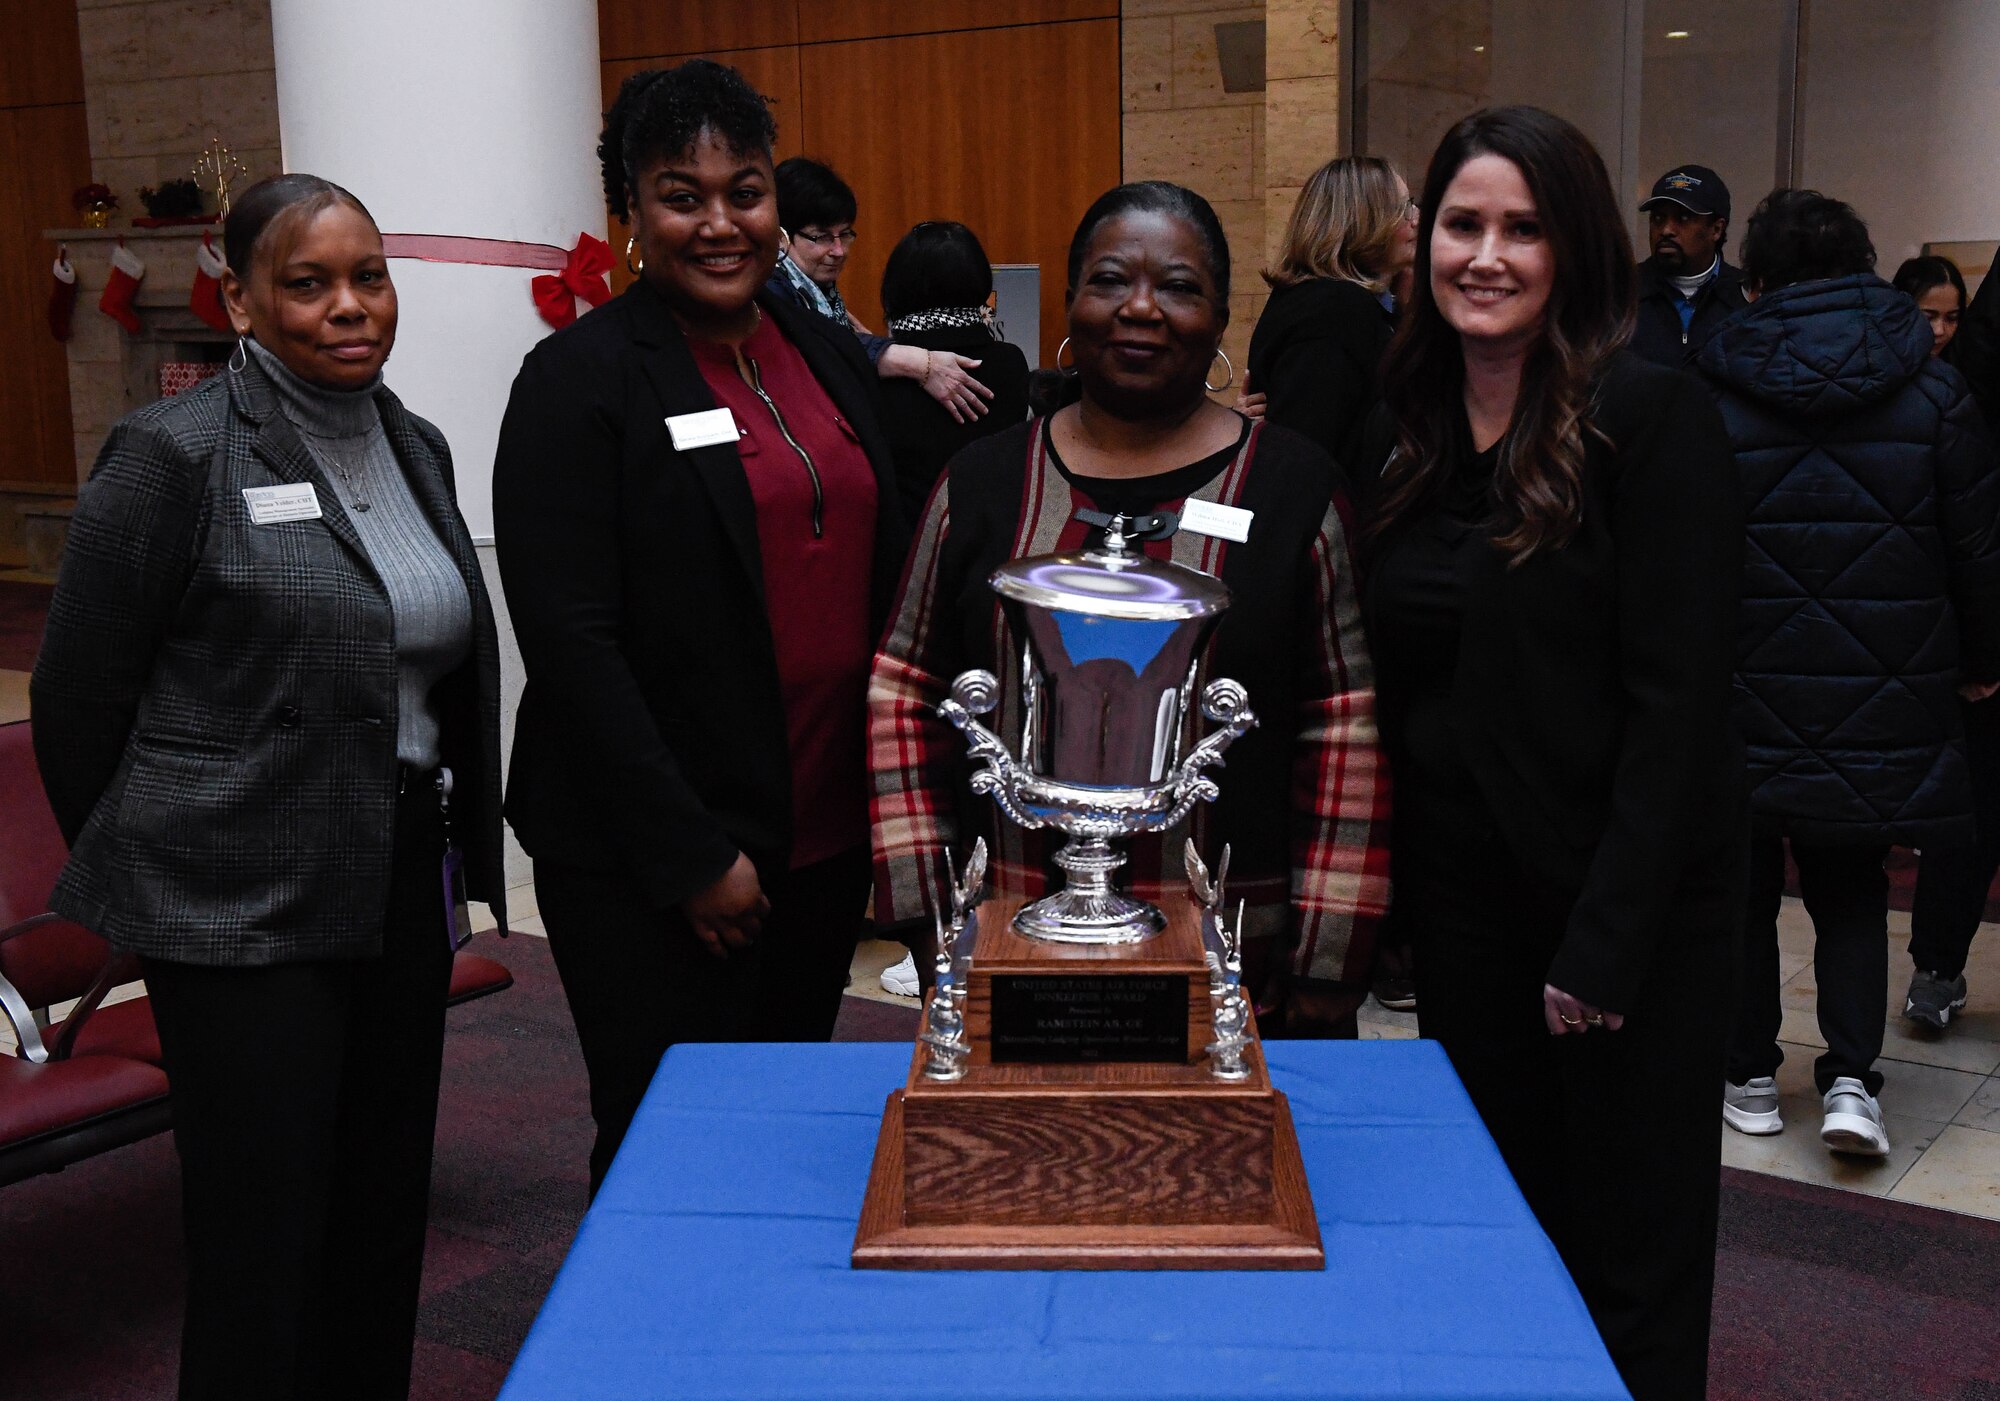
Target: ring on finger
(1596, 1020)
(1570, 1021)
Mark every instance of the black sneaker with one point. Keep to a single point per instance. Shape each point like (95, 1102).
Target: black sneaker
(1932, 999)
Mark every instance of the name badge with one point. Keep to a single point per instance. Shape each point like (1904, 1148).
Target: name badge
(274, 505)
(1217, 522)
(702, 430)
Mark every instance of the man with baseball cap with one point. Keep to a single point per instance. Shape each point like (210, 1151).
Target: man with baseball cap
(1685, 289)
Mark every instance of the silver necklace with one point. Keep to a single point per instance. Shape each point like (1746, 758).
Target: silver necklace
(326, 457)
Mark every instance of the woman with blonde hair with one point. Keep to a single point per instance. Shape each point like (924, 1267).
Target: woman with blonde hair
(1347, 255)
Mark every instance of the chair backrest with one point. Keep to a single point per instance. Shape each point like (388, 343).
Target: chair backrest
(58, 960)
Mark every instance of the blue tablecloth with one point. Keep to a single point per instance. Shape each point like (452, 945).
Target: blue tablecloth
(714, 1262)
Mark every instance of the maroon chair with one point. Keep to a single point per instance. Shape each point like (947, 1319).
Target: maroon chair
(90, 1082)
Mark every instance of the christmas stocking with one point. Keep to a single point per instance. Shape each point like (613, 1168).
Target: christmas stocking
(127, 271)
(205, 299)
(62, 295)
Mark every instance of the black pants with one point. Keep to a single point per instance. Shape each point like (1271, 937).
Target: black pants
(639, 981)
(1613, 1137)
(1846, 892)
(1953, 881)
(304, 1099)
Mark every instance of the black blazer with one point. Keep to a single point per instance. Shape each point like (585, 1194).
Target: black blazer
(215, 701)
(651, 735)
(1592, 699)
(1314, 355)
(923, 435)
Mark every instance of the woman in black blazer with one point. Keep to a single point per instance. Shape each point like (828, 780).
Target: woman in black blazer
(1319, 341)
(1556, 549)
(268, 651)
(697, 528)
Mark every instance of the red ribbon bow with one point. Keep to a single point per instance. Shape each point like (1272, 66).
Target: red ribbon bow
(582, 276)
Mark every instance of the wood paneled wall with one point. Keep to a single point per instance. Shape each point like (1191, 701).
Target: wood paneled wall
(44, 156)
(1003, 114)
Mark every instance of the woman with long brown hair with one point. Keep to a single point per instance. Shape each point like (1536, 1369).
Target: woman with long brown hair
(1556, 548)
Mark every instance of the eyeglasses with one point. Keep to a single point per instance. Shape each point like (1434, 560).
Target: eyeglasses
(819, 238)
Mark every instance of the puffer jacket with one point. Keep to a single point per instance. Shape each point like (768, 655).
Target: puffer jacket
(1872, 569)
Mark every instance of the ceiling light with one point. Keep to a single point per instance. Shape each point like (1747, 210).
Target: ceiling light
(1479, 48)
(1677, 34)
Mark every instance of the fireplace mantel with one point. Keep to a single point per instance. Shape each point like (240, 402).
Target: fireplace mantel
(112, 372)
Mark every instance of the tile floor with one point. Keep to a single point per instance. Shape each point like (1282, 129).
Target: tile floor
(1941, 1096)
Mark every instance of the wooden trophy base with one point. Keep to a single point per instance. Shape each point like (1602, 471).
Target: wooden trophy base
(1084, 1138)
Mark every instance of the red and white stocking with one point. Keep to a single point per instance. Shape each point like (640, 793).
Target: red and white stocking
(62, 295)
(205, 298)
(128, 270)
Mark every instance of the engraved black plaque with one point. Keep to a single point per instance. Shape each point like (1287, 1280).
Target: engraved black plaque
(1067, 1019)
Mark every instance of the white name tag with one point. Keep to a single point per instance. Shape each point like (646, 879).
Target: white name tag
(273, 505)
(1218, 522)
(702, 430)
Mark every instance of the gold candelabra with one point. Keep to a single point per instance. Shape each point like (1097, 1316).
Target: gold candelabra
(217, 167)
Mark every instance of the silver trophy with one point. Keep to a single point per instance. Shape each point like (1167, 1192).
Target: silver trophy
(1111, 644)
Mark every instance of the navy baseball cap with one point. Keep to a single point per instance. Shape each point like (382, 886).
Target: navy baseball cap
(1695, 188)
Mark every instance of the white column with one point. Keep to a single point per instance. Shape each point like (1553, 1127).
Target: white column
(448, 117)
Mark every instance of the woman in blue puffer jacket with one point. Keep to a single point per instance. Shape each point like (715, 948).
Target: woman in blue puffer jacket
(1871, 601)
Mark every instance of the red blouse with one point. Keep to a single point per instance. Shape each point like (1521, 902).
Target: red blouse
(815, 495)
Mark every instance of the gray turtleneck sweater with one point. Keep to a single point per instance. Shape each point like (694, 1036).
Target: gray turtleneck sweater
(343, 431)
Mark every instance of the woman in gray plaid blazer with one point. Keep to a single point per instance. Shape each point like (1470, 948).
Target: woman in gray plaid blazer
(266, 707)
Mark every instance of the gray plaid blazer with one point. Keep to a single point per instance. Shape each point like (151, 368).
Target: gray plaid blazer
(215, 701)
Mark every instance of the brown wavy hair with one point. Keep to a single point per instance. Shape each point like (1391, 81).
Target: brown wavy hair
(1344, 225)
(1538, 483)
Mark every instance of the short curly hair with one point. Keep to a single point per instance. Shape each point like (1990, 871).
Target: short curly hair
(1803, 236)
(659, 113)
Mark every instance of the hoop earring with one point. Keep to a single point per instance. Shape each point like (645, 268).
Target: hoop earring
(1062, 369)
(634, 268)
(239, 358)
(1218, 388)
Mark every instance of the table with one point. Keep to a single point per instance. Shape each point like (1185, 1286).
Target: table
(713, 1264)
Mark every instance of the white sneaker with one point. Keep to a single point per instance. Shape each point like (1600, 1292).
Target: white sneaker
(1853, 1122)
(901, 978)
(1752, 1107)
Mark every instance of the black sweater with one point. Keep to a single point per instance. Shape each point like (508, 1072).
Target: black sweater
(1591, 692)
(922, 434)
(1314, 356)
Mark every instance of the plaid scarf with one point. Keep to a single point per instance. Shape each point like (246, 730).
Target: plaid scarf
(824, 300)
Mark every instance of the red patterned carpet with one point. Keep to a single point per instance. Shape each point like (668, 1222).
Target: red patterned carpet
(1821, 1295)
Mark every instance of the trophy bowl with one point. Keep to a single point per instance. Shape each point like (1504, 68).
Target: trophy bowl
(1111, 644)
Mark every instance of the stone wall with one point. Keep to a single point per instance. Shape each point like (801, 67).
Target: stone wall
(1180, 125)
(1301, 103)
(162, 76)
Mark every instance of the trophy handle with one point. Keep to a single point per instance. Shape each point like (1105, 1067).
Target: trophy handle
(1228, 704)
(973, 694)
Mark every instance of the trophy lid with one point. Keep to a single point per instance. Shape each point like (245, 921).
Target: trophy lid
(1111, 580)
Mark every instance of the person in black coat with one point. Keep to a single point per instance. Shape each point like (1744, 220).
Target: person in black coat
(267, 703)
(1871, 601)
(1553, 558)
(698, 531)
(1953, 879)
(1975, 351)
(1316, 347)
(1686, 289)
(937, 291)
